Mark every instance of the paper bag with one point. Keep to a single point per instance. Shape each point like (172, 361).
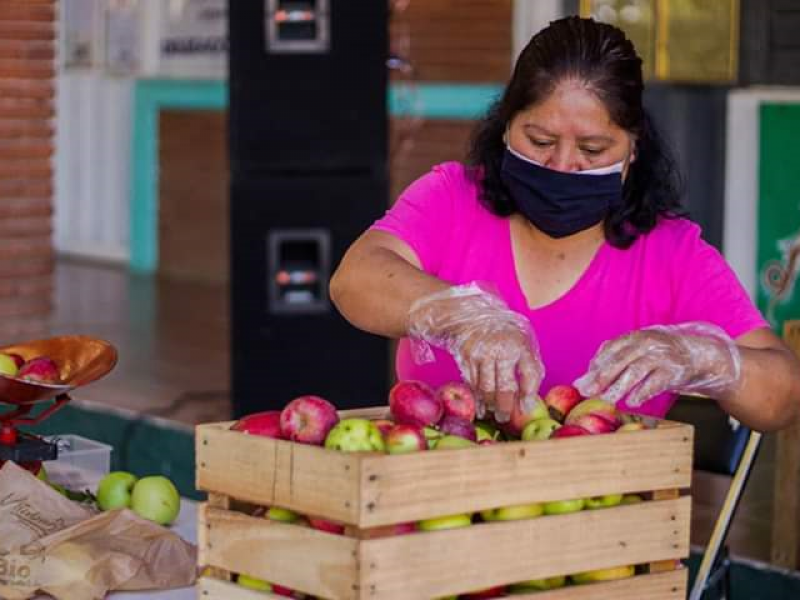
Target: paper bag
(51, 544)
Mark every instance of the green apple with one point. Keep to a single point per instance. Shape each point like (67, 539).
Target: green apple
(604, 574)
(484, 430)
(8, 366)
(449, 522)
(603, 501)
(114, 490)
(449, 442)
(562, 507)
(156, 499)
(631, 499)
(253, 584)
(513, 513)
(539, 429)
(284, 515)
(432, 435)
(537, 585)
(42, 474)
(355, 435)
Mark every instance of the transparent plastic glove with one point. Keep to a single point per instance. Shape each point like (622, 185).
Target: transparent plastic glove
(493, 346)
(690, 357)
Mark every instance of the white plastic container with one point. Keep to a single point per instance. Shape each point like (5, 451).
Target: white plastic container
(81, 462)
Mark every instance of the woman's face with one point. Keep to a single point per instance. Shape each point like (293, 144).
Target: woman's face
(570, 131)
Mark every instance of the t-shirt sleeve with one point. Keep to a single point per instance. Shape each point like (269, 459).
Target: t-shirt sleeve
(707, 289)
(423, 217)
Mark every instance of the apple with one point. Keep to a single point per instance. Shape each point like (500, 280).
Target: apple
(596, 423)
(539, 585)
(283, 515)
(458, 400)
(484, 430)
(448, 522)
(8, 366)
(563, 507)
(497, 591)
(450, 442)
(114, 490)
(266, 423)
(560, 400)
(280, 590)
(607, 501)
(415, 403)
(519, 418)
(405, 438)
(156, 499)
(595, 406)
(569, 431)
(603, 574)
(432, 435)
(513, 513)
(632, 426)
(540, 429)
(631, 499)
(41, 369)
(355, 435)
(308, 420)
(252, 583)
(404, 528)
(326, 526)
(17, 359)
(452, 425)
(384, 425)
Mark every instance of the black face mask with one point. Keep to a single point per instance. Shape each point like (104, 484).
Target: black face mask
(557, 203)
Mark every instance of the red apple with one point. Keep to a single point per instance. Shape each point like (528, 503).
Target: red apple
(452, 425)
(519, 418)
(569, 431)
(596, 423)
(404, 528)
(280, 590)
(560, 400)
(40, 370)
(308, 419)
(403, 438)
(595, 406)
(495, 592)
(415, 403)
(458, 400)
(17, 359)
(326, 526)
(384, 426)
(266, 423)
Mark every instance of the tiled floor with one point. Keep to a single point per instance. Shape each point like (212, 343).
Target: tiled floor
(172, 339)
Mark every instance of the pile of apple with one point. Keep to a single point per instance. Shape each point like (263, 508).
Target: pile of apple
(40, 369)
(421, 419)
(154, 497)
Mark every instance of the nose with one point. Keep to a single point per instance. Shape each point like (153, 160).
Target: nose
(564, 159)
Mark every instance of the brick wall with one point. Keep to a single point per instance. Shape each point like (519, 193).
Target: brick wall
(27, 76)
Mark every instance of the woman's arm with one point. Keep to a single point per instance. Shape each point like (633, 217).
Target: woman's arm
(377, 281)
(768, 395)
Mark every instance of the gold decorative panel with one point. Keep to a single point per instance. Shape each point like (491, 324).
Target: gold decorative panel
(694, 41)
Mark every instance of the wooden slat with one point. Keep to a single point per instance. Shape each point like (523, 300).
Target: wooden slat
(664, 565)
(660, 586)
(786, 500)
(307, 479)
(434, 564)
(298, 557)
(209, 588)
(411, 487)
(215, 501)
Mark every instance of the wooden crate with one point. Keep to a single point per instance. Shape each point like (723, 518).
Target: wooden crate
(368, 492)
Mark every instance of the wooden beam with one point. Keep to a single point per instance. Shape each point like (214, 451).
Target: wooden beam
(786, 504)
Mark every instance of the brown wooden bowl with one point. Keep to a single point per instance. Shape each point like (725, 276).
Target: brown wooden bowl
(81, 360)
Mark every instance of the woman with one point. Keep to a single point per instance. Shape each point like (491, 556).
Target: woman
(559, 255)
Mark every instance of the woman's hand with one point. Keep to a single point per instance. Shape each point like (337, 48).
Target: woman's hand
(494, 347)
(690, 357)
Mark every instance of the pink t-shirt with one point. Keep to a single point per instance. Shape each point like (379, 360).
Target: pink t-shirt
(667, 276)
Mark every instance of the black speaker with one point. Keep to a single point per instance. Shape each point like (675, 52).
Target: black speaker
(308, 153)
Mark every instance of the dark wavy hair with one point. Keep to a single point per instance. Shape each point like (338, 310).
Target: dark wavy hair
(605, 61)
